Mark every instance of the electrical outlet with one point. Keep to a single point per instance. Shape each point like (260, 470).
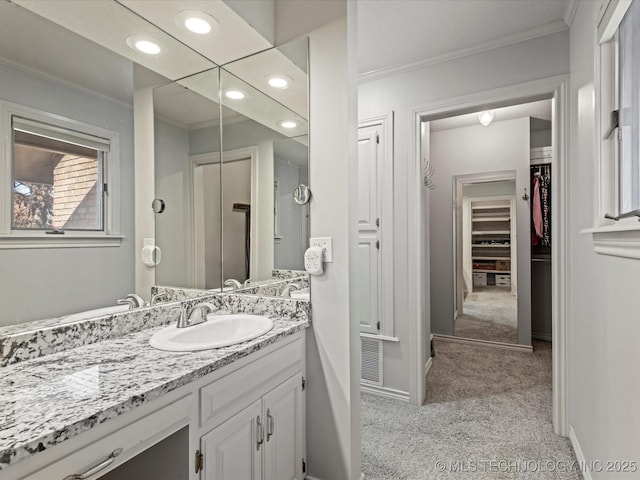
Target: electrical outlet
(325, 243)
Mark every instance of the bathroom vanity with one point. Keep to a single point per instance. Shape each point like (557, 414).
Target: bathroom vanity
(121, 406)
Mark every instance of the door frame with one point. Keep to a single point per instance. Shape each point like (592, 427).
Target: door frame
(196, 252)
(555, 88)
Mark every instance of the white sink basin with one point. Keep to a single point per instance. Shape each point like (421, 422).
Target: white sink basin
(218, 331)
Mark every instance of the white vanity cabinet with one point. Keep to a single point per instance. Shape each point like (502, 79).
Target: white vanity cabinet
(262, 441)
(254, 420)
(243, 421)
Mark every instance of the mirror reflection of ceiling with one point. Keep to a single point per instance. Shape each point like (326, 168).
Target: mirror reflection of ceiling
(192, 102)
(184, 56)
(540, 110)
(29, 41)
(110, 24)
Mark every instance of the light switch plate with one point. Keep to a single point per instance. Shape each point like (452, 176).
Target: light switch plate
(325, 243)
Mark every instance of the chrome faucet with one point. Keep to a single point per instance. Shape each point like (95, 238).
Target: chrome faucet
(133, 300)
(195, 315)
(232, 282)
(288, 288)
(247, 282)
(198, 314)
(158, 296)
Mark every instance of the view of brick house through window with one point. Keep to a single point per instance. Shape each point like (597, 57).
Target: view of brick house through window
(57, 184)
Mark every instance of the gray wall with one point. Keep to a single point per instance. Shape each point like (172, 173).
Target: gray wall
(41, 283)
(502, 146)
(604, 330)
(513, 64)
(289, 250)
(173, 226)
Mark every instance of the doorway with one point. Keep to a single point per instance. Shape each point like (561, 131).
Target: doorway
(554, 88)
(485, 258)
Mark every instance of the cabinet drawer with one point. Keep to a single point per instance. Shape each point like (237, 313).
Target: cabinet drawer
(229, 394)
(128, 442)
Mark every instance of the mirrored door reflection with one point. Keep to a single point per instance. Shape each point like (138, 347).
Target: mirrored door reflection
(487, 301)
(187, 173)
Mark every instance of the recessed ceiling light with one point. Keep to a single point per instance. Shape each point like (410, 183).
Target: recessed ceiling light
(288, 124)
(486, 117)
(143, 45)
(280, 81)
(198, 22)
(234, 94)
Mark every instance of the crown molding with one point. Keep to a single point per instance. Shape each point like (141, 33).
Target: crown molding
(536, 32)
(570, 12)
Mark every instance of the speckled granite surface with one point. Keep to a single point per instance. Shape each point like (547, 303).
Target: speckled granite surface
(280, 273)
(49, 399)
(44, 337)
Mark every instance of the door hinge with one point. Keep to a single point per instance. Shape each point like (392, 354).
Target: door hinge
(377, 222)
(378, 325)
(199, 461)
(304, 466)
(304, 383)
(377, 138)
(105, 187)
(378, 244)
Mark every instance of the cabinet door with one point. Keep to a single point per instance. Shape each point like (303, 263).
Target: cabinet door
(231, 450)
(284, 431)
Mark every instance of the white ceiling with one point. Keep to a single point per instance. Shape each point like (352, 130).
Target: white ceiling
(540, 110)
(394, 33)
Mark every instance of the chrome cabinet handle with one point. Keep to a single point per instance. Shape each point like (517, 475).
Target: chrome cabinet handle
(95, 469)
(260, 433)
(270, 425)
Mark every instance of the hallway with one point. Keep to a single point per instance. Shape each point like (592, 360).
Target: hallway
(487, 416)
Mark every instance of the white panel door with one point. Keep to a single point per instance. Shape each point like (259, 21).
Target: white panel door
(231, 450)
(284, 419)
(369, 187)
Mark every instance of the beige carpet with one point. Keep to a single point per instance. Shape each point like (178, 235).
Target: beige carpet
(489, 313)
(487, 416)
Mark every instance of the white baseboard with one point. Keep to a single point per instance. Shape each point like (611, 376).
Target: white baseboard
(427, 366)
(586, 474)
(545, 337)
(385, 392)
(484, 343)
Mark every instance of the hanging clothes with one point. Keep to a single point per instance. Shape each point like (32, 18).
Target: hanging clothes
(541, 206)
(537, 208)
(545, 199)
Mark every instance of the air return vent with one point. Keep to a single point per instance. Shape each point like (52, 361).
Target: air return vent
(371, 361)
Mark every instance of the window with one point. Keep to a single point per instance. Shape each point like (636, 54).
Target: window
(616, 228)
(62, 181)
(629, 109)
(57, 178)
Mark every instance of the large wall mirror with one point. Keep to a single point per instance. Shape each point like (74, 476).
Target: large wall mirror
(95, 86)
(231, 147)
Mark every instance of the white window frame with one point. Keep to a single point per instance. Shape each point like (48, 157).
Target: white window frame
(617, 238)
(17, 239)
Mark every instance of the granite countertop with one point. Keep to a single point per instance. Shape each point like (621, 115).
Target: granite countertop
(49, 399)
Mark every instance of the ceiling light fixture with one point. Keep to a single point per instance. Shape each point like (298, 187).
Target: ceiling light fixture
(280, 81)
(234, 94)
(197, 22)
(288, 124)
(486, 117)
(144, 45)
